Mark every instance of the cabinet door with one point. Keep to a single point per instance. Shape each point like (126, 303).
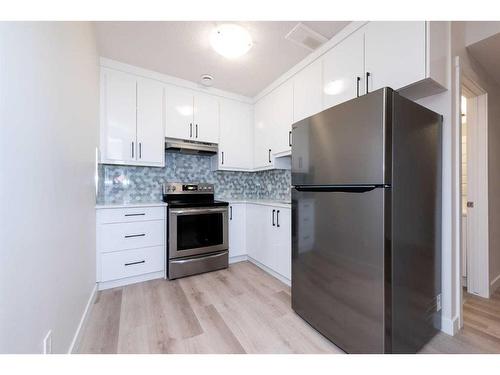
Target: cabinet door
(281, 117)
(394, 53)
(237, 224)
(282, 240)
(236, 140)
(206, 118)
(262, 133)
(179, 113)
(342, 66)
(118, 136)
(150, 122)
(307, 91)
(254, 230)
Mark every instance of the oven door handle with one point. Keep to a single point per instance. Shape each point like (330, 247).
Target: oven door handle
(177, 211)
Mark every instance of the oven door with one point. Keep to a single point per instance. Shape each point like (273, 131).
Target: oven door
(194, 231)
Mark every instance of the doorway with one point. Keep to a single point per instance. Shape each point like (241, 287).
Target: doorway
(474, 190)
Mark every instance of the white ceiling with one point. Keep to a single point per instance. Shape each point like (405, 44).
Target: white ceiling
(182, 49)
(487, 54)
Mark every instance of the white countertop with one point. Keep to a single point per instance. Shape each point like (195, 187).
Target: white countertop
(264, 202)
(129, 205)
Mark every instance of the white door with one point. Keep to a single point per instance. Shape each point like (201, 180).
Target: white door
(206, 118)
(307, 91)
(179, 113)
(237, 222)
(150, 122)
(281, 117)
(478, 277)
(118, 140)
(236, 139)
(343, 71)
(394, 53)
(262, 133)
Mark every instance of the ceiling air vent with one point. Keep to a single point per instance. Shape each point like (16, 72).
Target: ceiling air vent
(305, 37)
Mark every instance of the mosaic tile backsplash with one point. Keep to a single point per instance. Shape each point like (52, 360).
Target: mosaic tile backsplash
(129, 184)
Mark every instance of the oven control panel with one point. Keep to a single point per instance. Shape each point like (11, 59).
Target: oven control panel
(182, 188)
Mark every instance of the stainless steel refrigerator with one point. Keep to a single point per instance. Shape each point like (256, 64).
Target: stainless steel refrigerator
(366, 223)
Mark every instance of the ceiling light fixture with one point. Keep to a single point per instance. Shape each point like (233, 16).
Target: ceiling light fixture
(231, 40)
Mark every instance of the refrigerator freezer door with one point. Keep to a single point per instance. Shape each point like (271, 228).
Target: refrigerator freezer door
(338, 246)
(345, 144)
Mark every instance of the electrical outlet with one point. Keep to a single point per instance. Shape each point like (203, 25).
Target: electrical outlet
(47, 343)
(438, 302)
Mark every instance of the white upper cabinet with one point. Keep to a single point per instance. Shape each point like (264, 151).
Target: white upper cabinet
(192, 115)
(132, 120)
(282, 118)
(343, 71)
(308, 91)
(118, 122)
(263, 133)
(150, 122)
(179, 111)
(236, 136)
(206, 118)
(273, 125)
(395, 53)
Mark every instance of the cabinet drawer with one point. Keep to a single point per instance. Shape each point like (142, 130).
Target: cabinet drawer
(123, 236)
(124, 215)
(121, 264)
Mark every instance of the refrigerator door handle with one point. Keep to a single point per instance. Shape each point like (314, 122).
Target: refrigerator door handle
(340, 188)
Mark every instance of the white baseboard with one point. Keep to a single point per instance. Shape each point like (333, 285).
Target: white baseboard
(239, 258)
(131, 280)
(494, 284)
(450, 326)
(76, 338)
(270, 271)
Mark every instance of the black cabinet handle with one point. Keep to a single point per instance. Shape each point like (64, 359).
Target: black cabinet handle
(273, 218)
(278, 218)
(367, 77)
(135, 235)
(222, 157)
(290, 138)
(230, 212)
(132, 263)
(132, 149)
(140, 150)
(190, 130)
(196, 131)
(358, 79)
(269, 155)
(141, 214)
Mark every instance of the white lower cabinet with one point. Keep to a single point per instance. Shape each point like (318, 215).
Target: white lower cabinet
(130, 245)
(269, 237)
(237, 235)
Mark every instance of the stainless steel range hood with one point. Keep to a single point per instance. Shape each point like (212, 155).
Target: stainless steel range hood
(190, 147)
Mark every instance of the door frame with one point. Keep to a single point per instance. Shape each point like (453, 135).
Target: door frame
(477, 155)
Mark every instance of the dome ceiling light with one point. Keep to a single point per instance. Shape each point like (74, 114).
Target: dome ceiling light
(230, 40)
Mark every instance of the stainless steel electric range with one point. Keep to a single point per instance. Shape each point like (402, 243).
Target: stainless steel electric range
(197, 229)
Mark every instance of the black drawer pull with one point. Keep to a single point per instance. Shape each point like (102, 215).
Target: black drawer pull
(135, 214)
(273, 218)
(132, 263)
(135, 235)
(278, 218)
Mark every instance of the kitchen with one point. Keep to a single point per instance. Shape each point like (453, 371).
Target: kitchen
(210, 191)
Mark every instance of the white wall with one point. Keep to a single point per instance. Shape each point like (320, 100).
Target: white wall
(48, 135)
(474, 31)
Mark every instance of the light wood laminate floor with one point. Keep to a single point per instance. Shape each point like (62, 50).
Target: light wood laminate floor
(241, 309)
